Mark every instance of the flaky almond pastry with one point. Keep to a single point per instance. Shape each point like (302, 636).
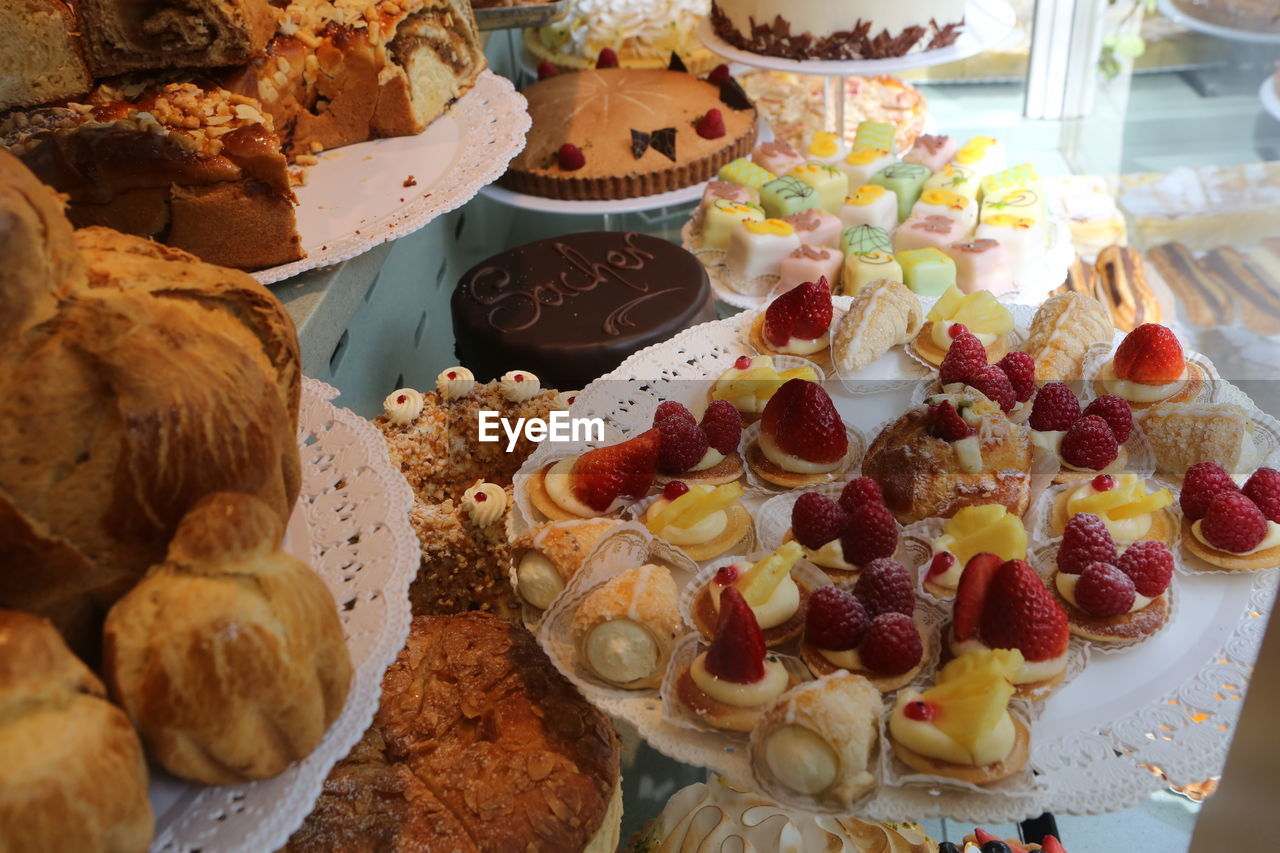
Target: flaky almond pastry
(42, 59)
(1061, 333)
(884, 314)
(625, 629)
(228, 657)
(1182, 434)
(73, 779)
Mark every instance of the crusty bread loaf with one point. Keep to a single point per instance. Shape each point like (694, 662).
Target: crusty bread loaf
(479, 745)
(73, 779)
(134, 380)
(134, 35)
(229, 656)
(41, 60)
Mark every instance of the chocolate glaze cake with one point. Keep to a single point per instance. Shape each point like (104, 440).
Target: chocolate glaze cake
(572, 308)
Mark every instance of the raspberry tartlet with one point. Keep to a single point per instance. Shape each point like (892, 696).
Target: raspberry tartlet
(699, 452)
(841, 537)
(1228, 527)
(1009, 382)
(1085, 442)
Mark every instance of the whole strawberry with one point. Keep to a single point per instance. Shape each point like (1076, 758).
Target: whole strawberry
(966, 355)
(859, 490)
(1263, 488)
(607, 58)
(1103, 590)
(1090, 444)
(1233, 523)
(892, 645)
(683, 445)
(971, 594)
(802, 421)
(995, 385)
(835, 620)
(723, 426)
(671, 409)
(870, 533)
(711, 125)
(1116, 412)
(1020, 367)
(817, 520)
(803, 312)
(945, 422)
(1085, 540)
(884, 586)
(1201, 484)
(1149, 565)
(1150, 354)
(1055, 408)
(1020, 613)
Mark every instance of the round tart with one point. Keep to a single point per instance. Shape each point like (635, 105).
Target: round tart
(598, 110)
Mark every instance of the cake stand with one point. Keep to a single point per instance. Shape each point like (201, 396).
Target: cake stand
(1171, 11)
(1270, 99)
(513, 17)
(351, 526)
(1128, 721)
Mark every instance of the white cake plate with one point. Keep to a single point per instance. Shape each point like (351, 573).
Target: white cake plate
(987, 23)
(363, 195)
(1270, 100)
(1098, 744)
(1173, 13)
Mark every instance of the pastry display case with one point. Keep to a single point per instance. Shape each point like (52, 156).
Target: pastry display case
(639, 425)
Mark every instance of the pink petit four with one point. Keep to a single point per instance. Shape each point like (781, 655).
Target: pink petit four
(932, 152)
(935, 232)
(809, 263)
(816, 227)
(776, 156)
(981, 265)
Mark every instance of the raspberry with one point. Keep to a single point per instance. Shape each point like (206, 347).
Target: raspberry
(945, 422)
(1104, 590)
(1086, 540)
(870, 533)
(607, 58)
(859, 490)
(546, 69)
(675, 489)
(683, 446)
(1202, 483)
(1020, 367)
(884, 586)
(723, 426)
(993, 383)
(1116, 412)
(570, 157)
(816, 520)
(966, 355)
(892, 645)
(1055, 408)
(1149, 565)
(835, 620)
(711, 125)
(719, 74)
(672, 409)
(1233, 523)
(1090, 444)
(1263, 488)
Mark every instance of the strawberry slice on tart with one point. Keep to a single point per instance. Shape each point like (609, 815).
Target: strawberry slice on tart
(802, 441)
(796, 323)
(1229, 527)
(735, 679)
(598, 482)
(841, 537)
(776, 595)
(1150, 367)
(693, 451)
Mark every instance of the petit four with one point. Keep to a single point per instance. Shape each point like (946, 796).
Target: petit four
(907, 182)
(1120, 284)
(870, 205)
(716, 189)
(811, 263)
(757, 248)
(841, 537)
(1023, 203)
(802, 440)
(752, 381)
(884, 314)
(981, 265)
(1148, 368)
(787, 195)
(735, 679)
(1062, 330)
(869, 631)
(831, 184)
(956, 450)
(955, 178)
(875, 136)
(1123, 503)
(860, 166)
(961, 728)
(1228, 527)
(721, 216)
(796, 323)
(864, 268)
(1022, 237)
(820, 741)
(979, 313)
(547, 556)
(826, 147)
(1111, 596)
(983, 154)
(745, 173)
(927, 232)
(816, 227)
(703, 452)
(928, 272)
(973, 530)
(1086, 442)
(1014, 178)
(856, 239)
(702, 520)
(951, 205)
(625, 629)
(933, 152)
(1182, 434)
(776, 596)
(776, 156)
(599, 481)
(1005, 605)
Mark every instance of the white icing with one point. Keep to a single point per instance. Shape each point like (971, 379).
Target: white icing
(651, 29)
(565, 399)
(805, 346)
(519, 385)
(458, 385)
(621, 651)
(845, 659)
(823, 19)
(1049, 440)
(538, 579)
(793, 464)
(403, 406)
(765, 690)
(710, 459)
(830, 556)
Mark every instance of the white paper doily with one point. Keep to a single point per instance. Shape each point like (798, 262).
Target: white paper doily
(358, 197)
(351, 525)
(1171, 703)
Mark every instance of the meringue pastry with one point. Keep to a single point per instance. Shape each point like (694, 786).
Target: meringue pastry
(884, 314)
(548, 556)
(625, 628)
(1061, 333)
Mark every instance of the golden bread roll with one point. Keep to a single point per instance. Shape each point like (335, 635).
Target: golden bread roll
(73, 777)
(229, 656)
